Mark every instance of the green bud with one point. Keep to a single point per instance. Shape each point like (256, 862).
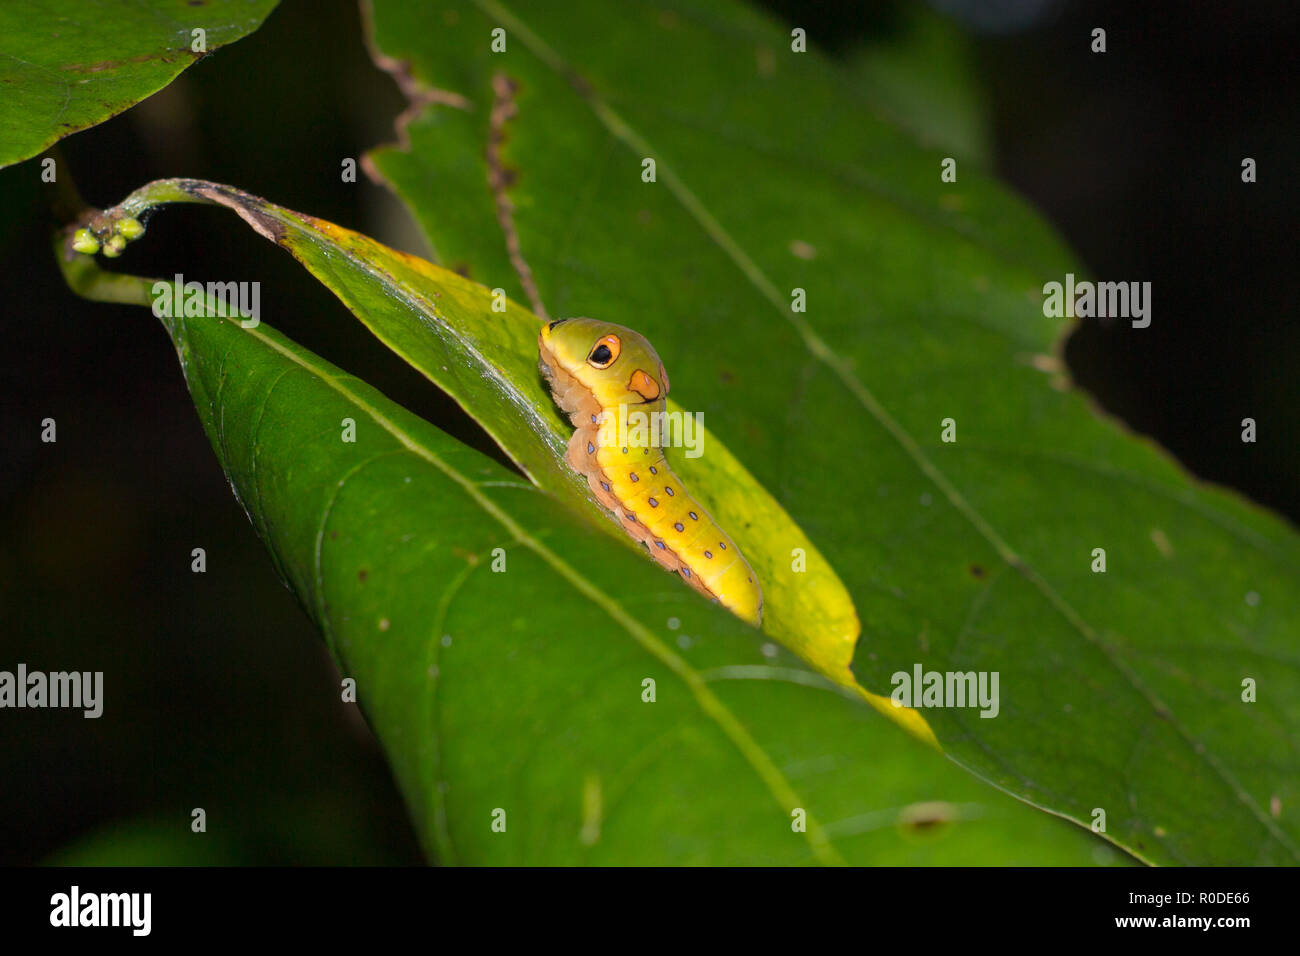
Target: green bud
(113, 246)
(83, 240)
(130, 228)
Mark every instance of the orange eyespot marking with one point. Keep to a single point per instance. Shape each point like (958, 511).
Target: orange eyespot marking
(643, 385)
(605, 352)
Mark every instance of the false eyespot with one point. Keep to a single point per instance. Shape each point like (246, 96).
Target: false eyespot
(643, 385)
(605, 352)
(578, 358)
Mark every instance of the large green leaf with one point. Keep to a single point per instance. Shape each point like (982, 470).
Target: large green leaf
(1121, 691)
(501, 643)
(66, 65)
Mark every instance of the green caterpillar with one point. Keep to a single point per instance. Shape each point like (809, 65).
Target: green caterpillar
(594, 370)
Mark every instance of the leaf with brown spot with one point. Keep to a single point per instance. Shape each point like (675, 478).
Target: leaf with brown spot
(1119, 690)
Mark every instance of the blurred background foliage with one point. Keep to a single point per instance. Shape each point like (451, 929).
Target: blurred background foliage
(1133, 156)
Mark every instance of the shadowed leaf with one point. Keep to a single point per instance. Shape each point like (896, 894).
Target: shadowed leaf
(66, 65)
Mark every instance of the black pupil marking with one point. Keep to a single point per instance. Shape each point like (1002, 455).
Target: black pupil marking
(679, 526)
(653, 503)
(669, 490)
(694, 516)
(601, 355)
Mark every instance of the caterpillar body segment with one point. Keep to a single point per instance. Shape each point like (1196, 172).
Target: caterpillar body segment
(598, 372)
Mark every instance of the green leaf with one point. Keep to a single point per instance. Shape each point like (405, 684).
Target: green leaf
(919, 76)
(1120, 691)
(66, 65)
(522, 690)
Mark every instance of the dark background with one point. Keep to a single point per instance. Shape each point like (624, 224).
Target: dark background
(223, 696)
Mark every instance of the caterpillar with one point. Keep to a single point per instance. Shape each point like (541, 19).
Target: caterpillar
(595, 370)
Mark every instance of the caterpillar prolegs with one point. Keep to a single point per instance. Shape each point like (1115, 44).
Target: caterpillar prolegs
(594, 369)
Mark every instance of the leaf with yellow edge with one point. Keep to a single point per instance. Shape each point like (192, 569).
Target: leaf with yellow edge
(449, 328)
(445, 326)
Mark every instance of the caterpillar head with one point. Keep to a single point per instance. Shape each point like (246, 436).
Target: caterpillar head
(618, 365)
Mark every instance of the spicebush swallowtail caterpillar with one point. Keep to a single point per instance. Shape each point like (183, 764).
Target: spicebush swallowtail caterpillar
(594, 368)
